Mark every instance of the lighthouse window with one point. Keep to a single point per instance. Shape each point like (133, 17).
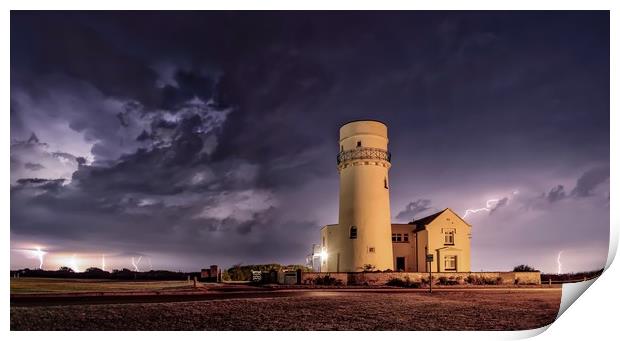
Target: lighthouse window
(359, 143)
(353, 232)
(385, 184)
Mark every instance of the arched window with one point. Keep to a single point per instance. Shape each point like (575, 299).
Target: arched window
(353, 232)
(359, 143)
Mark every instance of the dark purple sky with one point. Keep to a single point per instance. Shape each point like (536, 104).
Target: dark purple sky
(197, 138)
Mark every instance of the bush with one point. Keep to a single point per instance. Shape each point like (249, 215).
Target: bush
(327, 280)
(443, 280)
(407, 283)
(523, 268)
(368, 268)
(481, 280)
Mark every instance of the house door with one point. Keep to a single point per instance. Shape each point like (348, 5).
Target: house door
(400, 263)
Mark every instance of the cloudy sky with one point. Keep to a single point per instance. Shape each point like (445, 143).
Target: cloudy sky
(184, 139)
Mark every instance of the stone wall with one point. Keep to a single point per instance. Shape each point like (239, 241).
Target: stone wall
(382, 278)
(311, 277)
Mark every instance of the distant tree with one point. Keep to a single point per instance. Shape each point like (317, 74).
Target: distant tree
(296, 267)
(523, 268)
(65, 269)
(237, 273)
(93, 270)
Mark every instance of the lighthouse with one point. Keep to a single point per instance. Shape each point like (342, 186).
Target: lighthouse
(365, 239)
(362, 238)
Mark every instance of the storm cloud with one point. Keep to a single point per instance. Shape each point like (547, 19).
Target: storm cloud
(412, 210)
(210, 137)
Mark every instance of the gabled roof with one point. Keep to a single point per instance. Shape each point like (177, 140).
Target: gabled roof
(422, 222)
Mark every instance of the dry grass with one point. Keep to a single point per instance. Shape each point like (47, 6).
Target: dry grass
(493, 310)
(61, 285)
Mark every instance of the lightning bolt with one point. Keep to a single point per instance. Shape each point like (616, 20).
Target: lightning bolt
(74, 265)
(150, 264)
(39, 253)
(489, 205)
(135, 264)
(103, 262)
(559, 262)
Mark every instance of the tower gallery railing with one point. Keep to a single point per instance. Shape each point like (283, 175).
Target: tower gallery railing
(361, 153)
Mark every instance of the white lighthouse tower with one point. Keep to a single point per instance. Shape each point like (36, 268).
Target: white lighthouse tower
(362, 238)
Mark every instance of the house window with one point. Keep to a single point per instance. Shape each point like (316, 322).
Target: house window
(406, 237)
(450, 263)
(353, 232)
(397, 237)
(342, 148)
(371, 249)
(359, 143)
(323, 241)
(448, 236)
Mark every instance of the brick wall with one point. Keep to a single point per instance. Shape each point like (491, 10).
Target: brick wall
(311, 277)
(381, 278)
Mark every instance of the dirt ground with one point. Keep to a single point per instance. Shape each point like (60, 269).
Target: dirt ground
(322, 310)
(61, 285)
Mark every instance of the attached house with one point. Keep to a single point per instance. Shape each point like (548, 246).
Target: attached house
(444, 235)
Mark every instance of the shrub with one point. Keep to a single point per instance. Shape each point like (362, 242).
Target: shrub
(368, 268)
(523, 268)
(471, 279)
(407, 283)
(481, 280)
(327, 280)
(448, 280)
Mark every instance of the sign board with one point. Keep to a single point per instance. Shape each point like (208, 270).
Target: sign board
(429, 258)
(256, 276)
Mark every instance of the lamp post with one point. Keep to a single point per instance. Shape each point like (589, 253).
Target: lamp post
(429, 262)
(429, 265)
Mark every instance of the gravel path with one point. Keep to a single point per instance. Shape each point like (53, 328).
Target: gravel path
(323, 311)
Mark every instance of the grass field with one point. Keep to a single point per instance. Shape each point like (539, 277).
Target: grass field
(481, 310)
(61, 285)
